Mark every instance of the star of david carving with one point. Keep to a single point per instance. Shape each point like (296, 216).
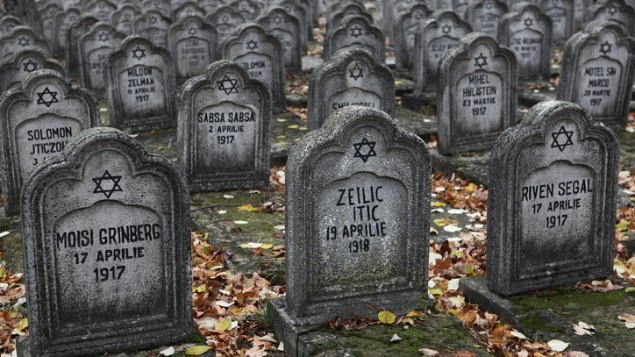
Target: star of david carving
(243, 7)
(252, 45)
(103, 37)
(488, 5)
(605, 47)
(528, 21)
(224, 19)
(189, 12)
(192, 31)
(127, 16)
(30, 66)
(157, 3)
(365, 143)
(138, 53)
(277, 19)
(228, 85)
(107, 191)
(418, 15)
(612, 10)
(47, 97)
(556, 138)
(480, 61)
(356, 72)
(153, 20)
(555, 2)
(446, 29)
(52, 13)
(101, 5)
(356, 31)
(24, 41)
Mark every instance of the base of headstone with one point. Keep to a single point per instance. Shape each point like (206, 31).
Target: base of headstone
(474, 166)
(529, 98)
(416, 102)
(22, 347)
(288, 330)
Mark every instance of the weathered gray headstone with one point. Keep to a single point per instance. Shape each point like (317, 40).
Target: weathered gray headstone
(152, 25)
(162, 6)
(123, 18)
(62, 22)
(38, 119)
(81, 26)
(434, 38)
(260, 54)
(7, 23)
(562, 19)
(356, 32)
(48, 17)
(351, 77)
(485, 16)
(101, 9)
(141, 86)
(250, 9)
(551, 215)
(193, 45)
(338, 19)
(598, 71)
(460, 7)
(526, 30)
(188, 8)
(614, 10)
(16, 68)
(212, 5)
(224, 130)
(21, 37)
(107, 250)
(395, 9)
(225, 20)
(296, 9)
(286, 28)
(476, 97)
(94, 48)
(358, 198)
(403, 40)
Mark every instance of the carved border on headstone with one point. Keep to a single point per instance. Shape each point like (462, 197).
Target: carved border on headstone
(15, 63)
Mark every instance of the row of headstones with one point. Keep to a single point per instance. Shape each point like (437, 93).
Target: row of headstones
(105, 227)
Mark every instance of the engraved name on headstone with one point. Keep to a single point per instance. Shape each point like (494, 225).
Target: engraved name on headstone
(94, 48)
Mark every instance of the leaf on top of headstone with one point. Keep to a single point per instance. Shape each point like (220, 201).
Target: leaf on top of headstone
(223, 325)
(248, 208)
(386, 317)
(558, 345)
(197, 350)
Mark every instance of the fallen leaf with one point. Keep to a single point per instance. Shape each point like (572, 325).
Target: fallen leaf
(248, 208)
(251, 245)
(557, 345)
(386, 317)
(576, 354)
(452, 228)
(168, 351)
(583, 328)
(24, 323)
(229, 197)
(438, 204)
(197, 350)
(4, 233)
(223, 325)
(518, 334)
(440, 222)
(429, 352)
(241, 222)
(395, 338)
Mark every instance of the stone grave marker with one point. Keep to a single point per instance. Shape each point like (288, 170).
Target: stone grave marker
(224, 130)
(477, 95)
(356, 32)
(551, 216)
(212, 5)
(22, 63)
(162, 6)
(434, 38)
(562, 19)
(250, 9)
(351, 77)
(358, 198)
(403, 40)
(296, 9)
(188, 8)
(598, 72)
(62, 22)
(338, 19)
(101, 9)
(395, 9)
(107, 250)
(152, 25)
(21, 37)
(48, 16)
(225, 20)
(485, 16)
(94, 48)
(460, 7)
(526, 30)
(614, 10)
(123, 18)
(286, 28)
(141, 86)
(7, 23)
(193, 44)
(81, 26)
(38, 120)
(260, 54)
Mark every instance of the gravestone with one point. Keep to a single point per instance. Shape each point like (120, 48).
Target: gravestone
(356, 32)
(186, 9)
(250, 9)
(101, 9)
(294, 8)
(434, 38)
(38, 120)
(7, 23)
(551, 216)
(81, 26)
(123, 18)
(212, 5)
(94, 48)
(107, 250)
(598, 71)
(358, 198)
(193, 45)
(338, 19)
(141, 86)
(614, 10)
(351, 77)
(562, 19)
(260, 54)
(526, 30)
(477, 95)
(48, 16)
(21, 37)
(24, 62)
(224, 130)
(162, 6)
(403, 40)
(485, 16)
(152, 25)
(62, 23)
(393, 10)
(286, 28)
(225, 20)
(460, 7)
